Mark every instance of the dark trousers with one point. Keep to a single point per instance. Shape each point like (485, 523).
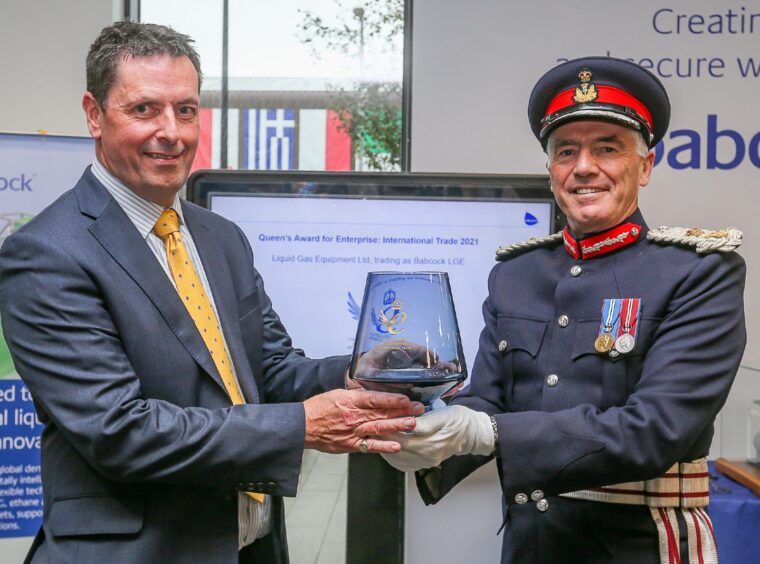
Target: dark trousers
(577, 531)
(262, 551)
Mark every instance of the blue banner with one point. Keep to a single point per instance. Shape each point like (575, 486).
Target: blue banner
(34, 171)
(20, 481)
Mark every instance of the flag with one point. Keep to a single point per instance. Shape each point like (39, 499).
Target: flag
(322, 144)
(269, 139)
(265, 139)
(209, 142)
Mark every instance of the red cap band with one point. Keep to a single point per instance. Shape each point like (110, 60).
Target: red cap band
(606, 95)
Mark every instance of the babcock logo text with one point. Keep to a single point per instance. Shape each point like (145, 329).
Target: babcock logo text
(713, 148)
(20, 183)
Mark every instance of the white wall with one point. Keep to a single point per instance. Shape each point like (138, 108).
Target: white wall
(43, 45)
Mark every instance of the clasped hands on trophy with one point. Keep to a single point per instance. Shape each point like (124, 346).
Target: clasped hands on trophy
(406, 443)
(407, 355)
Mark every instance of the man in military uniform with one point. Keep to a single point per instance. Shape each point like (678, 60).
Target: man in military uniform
(607, 352)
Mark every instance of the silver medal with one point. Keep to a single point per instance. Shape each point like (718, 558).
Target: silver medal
(625, 343)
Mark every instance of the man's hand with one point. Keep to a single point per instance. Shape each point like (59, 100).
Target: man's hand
(338, 421)
(350, 383)
(441, 434)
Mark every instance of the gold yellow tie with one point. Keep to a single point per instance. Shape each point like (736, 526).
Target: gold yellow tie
(198, 305)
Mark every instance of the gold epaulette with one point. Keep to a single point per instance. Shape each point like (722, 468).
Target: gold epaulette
(702, 240)
(508, 251)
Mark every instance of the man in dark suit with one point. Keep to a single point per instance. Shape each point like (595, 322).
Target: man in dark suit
(175, 408)
(607, 352)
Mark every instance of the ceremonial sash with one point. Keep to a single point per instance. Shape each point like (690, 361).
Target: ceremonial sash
(685, 488)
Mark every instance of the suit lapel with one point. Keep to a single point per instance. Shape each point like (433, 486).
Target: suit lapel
(118, 236)
(220, 279)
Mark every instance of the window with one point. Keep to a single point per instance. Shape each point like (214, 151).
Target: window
(312, 84)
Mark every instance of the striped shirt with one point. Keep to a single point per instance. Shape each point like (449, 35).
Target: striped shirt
(254, 519)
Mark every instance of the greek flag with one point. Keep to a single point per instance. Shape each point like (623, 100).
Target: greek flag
(269, 139)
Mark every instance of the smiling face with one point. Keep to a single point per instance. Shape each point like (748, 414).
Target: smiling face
(596, 170)
(147, 133)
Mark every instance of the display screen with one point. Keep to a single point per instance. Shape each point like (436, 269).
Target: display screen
(314, 241)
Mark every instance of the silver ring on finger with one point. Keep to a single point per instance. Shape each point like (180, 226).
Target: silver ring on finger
(363, 446)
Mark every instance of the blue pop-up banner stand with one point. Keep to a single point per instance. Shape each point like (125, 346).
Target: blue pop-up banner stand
(34, 170)
(20, 481)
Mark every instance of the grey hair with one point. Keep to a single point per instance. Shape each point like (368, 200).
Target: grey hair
(642, 147)
(122, 40)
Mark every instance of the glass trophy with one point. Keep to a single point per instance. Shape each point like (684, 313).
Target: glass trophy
(408, 339)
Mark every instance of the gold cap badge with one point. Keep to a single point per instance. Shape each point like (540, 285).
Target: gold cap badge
(586, 91)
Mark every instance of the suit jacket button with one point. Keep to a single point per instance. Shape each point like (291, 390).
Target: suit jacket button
(502, 345)
(542, 506)
(563, 320)
(521, 498)
(576, 270)
(552, 380)
(537, 495)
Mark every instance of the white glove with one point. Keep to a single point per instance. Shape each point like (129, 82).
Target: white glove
(441, 434)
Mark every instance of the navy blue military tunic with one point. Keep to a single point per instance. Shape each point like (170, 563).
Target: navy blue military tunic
(570, 417)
